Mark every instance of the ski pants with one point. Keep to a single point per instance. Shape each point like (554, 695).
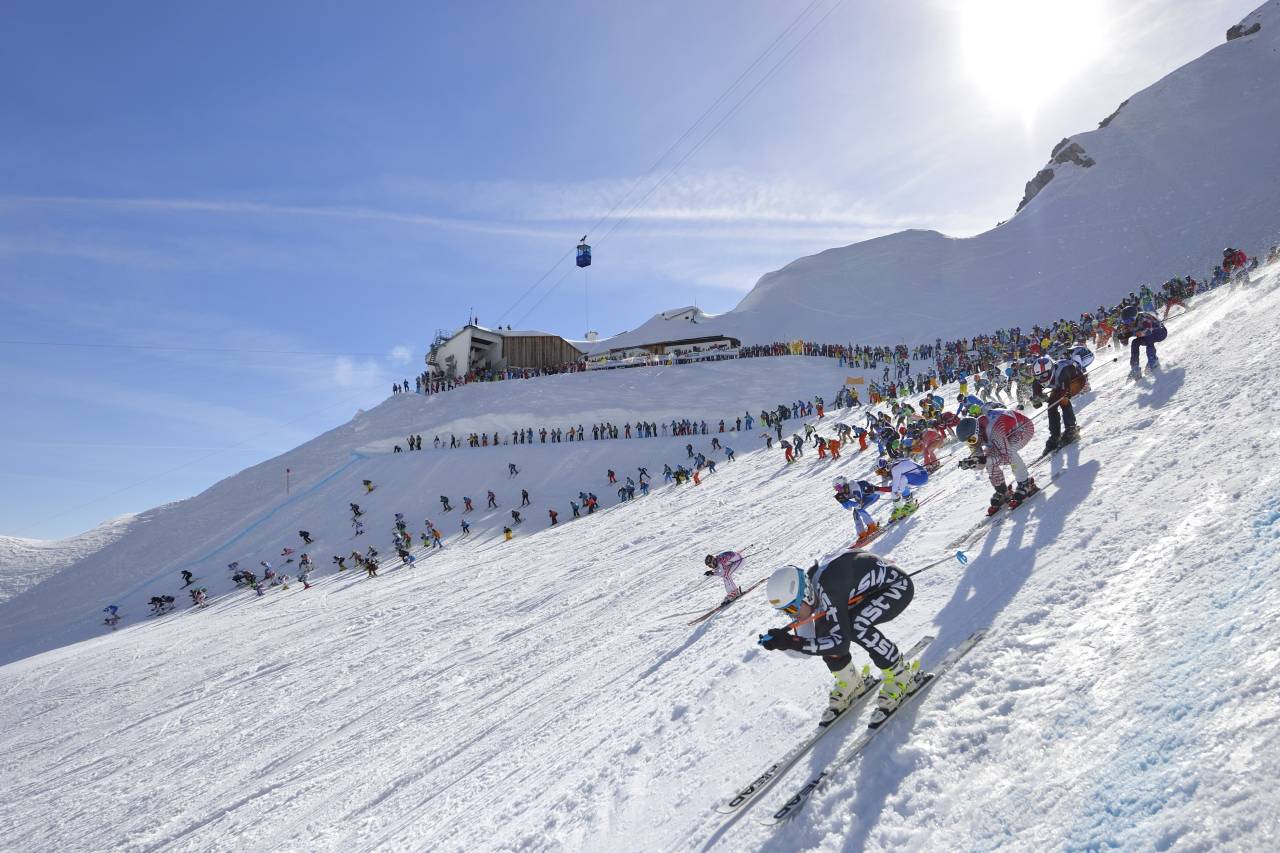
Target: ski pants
(862, 520)
(902, 483)
(1002, 448)
(887, 605)
(1067, 416)
(726, 575)
(1148, 341)
(930, 439)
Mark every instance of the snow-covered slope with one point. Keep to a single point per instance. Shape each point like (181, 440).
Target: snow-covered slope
(543, 694)
(249, 517)
(26, 562)
(1186, 167)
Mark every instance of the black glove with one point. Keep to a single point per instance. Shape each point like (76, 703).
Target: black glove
(1037, 401)
(709, 572)
(778, 639)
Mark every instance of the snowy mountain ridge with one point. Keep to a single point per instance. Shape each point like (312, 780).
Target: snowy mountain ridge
(1182, 169)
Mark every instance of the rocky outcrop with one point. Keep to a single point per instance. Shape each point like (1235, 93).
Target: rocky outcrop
(1067, 151)
(1064, 152)
(1039, 182)
(1106, 121)
(1238, 31)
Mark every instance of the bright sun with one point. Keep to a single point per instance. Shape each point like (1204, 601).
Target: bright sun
(1019, 52)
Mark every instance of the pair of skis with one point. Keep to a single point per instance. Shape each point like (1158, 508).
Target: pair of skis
(726, 604)
(754, 791)
(995, 518)
(883, 528)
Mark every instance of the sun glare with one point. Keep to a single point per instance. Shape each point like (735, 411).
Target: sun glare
(1019, 53)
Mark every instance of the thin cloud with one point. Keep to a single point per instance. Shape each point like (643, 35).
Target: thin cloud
(255, 208)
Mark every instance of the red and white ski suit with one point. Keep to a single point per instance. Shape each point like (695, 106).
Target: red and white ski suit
(1005, 433)
(727, 563)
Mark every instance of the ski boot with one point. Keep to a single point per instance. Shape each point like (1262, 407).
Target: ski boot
(1153, 365)
(872, 530)
(896, 684)
(1069, 436)
(1024, 490)
(908, 506)
(850, 684)
(1135, 372)
(1052, 444)
(999, 499)
(730, 597)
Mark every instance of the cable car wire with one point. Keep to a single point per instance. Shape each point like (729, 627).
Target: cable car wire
(769, 75)
(782, 36)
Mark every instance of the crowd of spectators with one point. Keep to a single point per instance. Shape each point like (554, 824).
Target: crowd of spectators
(949, 360)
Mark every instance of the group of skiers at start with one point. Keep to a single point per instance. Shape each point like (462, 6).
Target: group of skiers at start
(837, 604)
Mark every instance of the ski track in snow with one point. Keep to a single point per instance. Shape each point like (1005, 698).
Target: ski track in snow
(537, 696)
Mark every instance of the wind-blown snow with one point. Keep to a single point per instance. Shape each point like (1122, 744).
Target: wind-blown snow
(541, 695)
(27, 562)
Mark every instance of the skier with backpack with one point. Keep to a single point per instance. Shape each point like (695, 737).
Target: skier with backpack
(1056, 387)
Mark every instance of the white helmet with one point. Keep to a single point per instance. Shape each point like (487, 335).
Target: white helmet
(787, 587)
(840, 483)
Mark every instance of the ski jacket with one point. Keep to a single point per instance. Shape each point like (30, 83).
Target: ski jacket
(854, 575)
(727, 562)
(1001, 430)
(1149, 326)
(1082, 357)
(859, 495)
(1066, 379)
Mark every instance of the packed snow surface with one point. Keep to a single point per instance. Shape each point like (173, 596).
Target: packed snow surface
(249, 516)
(547, 693)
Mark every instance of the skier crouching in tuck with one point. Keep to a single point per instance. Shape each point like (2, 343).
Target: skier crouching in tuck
(723, 565)
(994, 440)
(835, 605)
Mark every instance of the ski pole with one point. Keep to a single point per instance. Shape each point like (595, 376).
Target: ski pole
(959, 556)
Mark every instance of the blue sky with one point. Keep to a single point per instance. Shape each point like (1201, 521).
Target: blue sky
(245, 182)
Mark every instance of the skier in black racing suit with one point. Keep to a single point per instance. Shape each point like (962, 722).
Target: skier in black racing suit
(836, 605)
